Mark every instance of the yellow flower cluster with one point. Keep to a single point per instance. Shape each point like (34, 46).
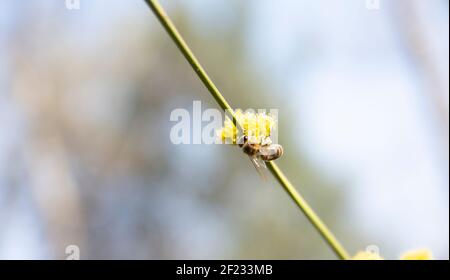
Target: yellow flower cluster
(254, 125)
(419, 254)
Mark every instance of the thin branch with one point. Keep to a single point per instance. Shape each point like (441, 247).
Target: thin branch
(274, 169)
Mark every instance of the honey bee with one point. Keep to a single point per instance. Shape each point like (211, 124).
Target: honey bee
(259, 152)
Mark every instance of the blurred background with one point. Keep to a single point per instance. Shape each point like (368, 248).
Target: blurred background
(85, 155)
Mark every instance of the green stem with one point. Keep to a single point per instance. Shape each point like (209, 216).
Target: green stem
(274, 169)
(308, 211)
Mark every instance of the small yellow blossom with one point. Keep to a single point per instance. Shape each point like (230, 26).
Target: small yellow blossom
(255, 125)
(419, 254)
(367, 255)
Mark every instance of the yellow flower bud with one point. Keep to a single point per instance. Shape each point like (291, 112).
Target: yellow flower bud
(419, 254)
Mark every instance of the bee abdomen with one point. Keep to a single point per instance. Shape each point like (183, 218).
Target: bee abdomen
(277, 153)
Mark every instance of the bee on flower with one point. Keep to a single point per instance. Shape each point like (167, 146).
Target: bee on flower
(254, 139)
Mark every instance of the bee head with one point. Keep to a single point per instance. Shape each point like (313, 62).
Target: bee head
(242, 140)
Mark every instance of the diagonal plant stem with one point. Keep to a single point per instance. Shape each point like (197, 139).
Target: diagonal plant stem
(274, 169)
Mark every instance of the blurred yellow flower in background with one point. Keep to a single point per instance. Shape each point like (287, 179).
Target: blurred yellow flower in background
(367, 255)
(419, 254)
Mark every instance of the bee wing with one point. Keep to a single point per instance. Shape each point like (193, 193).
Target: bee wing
(260, 166)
